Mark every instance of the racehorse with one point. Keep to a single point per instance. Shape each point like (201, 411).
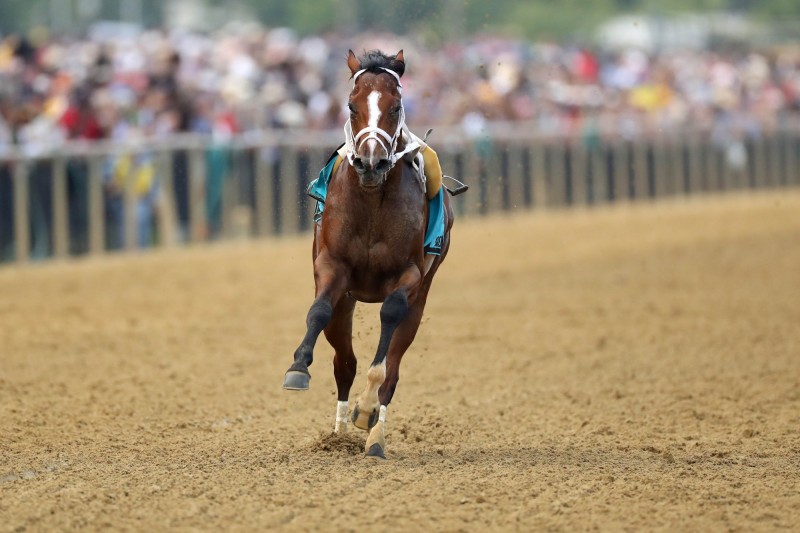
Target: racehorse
(368, 246)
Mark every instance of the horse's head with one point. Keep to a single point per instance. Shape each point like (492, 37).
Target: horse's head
(376, 115)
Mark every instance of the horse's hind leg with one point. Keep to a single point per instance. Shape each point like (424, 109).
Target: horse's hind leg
(340, 335)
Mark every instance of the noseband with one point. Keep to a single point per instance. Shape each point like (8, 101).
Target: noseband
(388, 142)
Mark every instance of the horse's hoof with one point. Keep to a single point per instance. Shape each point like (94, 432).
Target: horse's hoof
(364, 420)
(296, 380)
(376, 450)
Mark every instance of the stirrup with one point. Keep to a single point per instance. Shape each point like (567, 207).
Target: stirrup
(459, 186)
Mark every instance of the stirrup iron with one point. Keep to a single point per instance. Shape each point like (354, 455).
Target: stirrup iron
(459, 187)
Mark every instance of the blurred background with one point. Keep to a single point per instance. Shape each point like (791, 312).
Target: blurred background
(128, 124)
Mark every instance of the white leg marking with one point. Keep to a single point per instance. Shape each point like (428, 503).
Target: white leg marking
(369, 402)
(377, 435)
(341, 418)
(376, 375)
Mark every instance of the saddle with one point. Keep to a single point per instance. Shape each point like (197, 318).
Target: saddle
(430, 170)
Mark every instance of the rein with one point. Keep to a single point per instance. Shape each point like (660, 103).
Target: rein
(388, 142)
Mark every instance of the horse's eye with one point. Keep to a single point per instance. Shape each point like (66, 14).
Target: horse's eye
(395, 110)
(352, 109)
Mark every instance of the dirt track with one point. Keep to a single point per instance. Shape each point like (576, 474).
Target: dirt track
(632, 368)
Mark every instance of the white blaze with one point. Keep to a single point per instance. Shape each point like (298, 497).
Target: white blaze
(374, 110)
(374, 117)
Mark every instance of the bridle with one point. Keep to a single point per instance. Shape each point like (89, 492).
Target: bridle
(388, 142)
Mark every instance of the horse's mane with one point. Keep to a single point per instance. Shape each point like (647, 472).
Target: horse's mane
(375, 60)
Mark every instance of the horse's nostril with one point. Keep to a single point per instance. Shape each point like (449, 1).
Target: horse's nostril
(358, 163)
(382, 166)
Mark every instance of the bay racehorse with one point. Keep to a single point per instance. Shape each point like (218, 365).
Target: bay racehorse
(368, 246)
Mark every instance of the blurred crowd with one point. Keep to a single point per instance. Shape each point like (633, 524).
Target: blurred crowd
(125, 86)
(155, 84)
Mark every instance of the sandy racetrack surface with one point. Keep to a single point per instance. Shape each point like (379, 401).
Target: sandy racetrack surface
(628, 368)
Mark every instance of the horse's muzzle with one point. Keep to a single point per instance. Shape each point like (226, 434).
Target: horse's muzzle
(371, 173)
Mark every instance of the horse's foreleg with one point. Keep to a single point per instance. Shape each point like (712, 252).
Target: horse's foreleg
(298, 377)
(330, 287)
(405, 334)
(393, 312)
(401, 340)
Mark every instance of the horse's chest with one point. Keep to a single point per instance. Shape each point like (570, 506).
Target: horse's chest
(377, 236)
(378, 252)
(394, 230)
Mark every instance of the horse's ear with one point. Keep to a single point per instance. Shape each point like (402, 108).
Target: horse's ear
(353, 63)
(398, 63)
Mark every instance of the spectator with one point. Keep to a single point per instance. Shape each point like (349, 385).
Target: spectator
(157, 85)
(259, 79)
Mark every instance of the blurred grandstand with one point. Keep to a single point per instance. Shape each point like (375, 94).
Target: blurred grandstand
(125, 85)
(128, 86)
